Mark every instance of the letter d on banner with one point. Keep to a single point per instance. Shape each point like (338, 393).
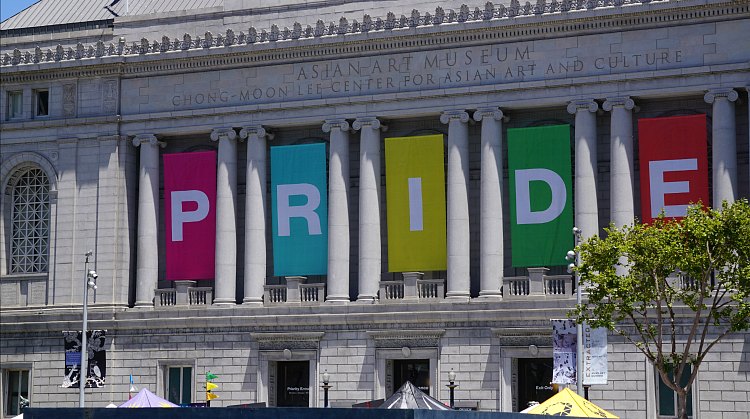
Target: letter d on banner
(190, 214)
(299, 209)
(541, 206)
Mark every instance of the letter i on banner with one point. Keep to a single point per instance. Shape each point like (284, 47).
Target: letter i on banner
(299, 206)
(190, 215)
(415, 198)
(674, 165)
(541, 207)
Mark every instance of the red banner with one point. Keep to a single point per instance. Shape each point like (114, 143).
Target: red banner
(674, 165)
(189, 213)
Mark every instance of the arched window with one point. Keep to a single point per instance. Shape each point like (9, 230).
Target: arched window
(29, 222)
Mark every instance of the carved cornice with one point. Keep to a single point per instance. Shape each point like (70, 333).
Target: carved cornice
(289, 340)
(331, 124)
(582, 104)
(494, 24)
(223, 134)
(406, 338)
(148, 139)
(624, 101)
(255, 131)
(539, 336)
(454, 116)
(728, 93)
(489, 112)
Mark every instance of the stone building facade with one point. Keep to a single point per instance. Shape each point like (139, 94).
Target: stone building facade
(90, 106)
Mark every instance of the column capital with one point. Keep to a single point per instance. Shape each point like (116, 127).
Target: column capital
(368, 121)
(580, 104)
(725, 92)
(491, 111)
(624, 101)
(148, 139)
(223, 133)
(331, 124)
(257, 130)
(454, 115)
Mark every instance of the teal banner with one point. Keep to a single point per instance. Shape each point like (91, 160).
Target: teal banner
(299, 206)
(541, 195)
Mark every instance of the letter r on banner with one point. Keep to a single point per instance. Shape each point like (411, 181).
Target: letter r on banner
(180, 216)
(306, 211)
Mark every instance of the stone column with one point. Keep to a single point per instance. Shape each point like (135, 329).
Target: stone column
(585, 200)
(458, 204)
(724, 136)
(338, 211)
(255, 214)
(225, 284)
(621, 202)
(147, 269)
(369, 208)
(491, 202)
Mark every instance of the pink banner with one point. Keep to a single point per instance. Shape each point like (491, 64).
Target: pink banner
(190, 217)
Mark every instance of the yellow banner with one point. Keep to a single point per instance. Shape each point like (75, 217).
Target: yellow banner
(415, 197)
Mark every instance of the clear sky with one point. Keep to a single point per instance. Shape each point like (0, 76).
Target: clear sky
(9, 8)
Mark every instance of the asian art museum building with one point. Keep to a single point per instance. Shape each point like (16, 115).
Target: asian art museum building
(380, 190)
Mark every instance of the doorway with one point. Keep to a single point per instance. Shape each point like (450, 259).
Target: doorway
(293, 383)
(417, 371)
(534, 381)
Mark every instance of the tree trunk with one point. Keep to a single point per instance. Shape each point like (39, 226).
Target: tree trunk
(682, 404)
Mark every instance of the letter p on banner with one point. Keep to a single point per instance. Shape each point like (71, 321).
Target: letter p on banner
(189, 202)
(674, 165)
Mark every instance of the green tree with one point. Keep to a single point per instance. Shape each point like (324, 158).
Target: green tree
(672, 288)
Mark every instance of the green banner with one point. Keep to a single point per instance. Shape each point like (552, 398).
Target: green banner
(415, 197)
(541, 193)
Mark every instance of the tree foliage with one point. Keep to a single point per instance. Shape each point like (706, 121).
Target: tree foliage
(673, 288)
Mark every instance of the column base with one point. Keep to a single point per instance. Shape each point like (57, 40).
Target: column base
(490, 295)
(366, 299)
(252, 302)
(457, 297)
(144, 304)
(337, 299)
(226, 302)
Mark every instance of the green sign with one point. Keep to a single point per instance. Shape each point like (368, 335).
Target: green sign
(541, 207)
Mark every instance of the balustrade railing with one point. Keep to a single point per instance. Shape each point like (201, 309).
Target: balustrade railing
(431, 289)
(391, 290)
(198, 296)
(312, 293)
(165, 297)
(275, 294)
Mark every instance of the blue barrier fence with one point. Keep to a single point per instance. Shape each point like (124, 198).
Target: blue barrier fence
(262, 413)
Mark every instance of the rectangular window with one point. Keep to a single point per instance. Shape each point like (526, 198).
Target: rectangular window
(41, 98)
(179, 385)
(15, 104)
(17, 392)
(667, 398)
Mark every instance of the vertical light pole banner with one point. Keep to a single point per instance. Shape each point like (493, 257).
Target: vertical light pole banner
(564, 341)
(674, 165)
(594, 355)
(415, 203)
(299, 205)
(541, 203)
(96, 363)
(190, 214)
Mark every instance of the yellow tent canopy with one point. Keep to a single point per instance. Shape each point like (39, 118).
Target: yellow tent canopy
(568, 403)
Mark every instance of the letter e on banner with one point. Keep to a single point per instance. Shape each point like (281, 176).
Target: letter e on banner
(190, 215)
(674, 165)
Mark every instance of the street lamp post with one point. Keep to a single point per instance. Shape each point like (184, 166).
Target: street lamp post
(452, 386)
(575, 258)
(326, 387)
(89, 282)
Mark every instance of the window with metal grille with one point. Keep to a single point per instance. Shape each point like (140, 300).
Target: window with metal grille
(29, 222)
